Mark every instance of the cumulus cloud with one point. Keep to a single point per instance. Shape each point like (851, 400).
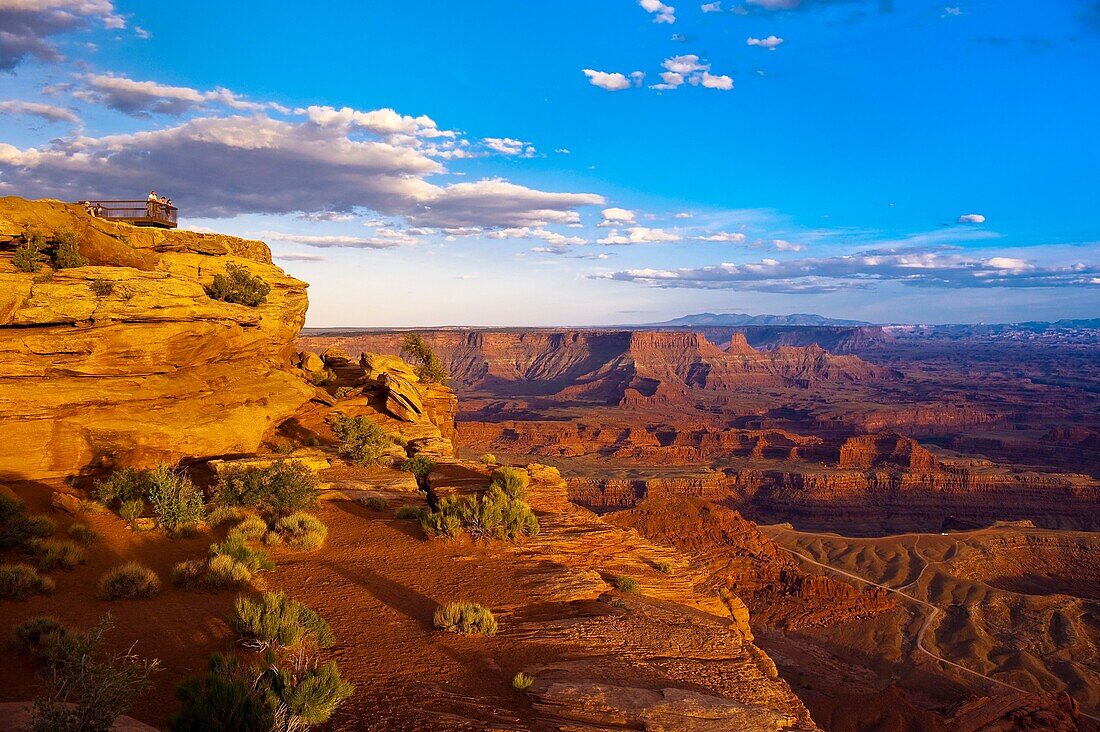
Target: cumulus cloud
(509, 146)
(383, 122)
(613, 216)
(27, 27)
(728, 237)
(712, 81)
(48, 112)
(224, 166)
(914, 267)
(145, 98)
(662, 13)
(771, 42)
(553, 238)
(613, 80)
(715, 7)
(688, 67)
(332, 241)
(972, 219)
(638, 235)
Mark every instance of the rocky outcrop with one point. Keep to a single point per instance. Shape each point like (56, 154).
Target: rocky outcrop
(127, 361)
(1051, 712)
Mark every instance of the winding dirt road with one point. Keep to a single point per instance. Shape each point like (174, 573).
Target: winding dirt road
(934, 612)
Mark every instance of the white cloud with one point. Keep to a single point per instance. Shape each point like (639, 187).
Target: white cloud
(299, 257)
(48, 112)
(144, 98)
(509, 146)
(683, 215)
(663, 13)
(770, 43)
(688, 67)
(615, 215)
(611, 81)
(638, 235)
(715, 7)
(711, 81)
(330, 241)
(972, 219)
(552, 238)
(952, 11)
(729, 237)
(684, 64)
(27, 27)
(562, 150)
(383, 122)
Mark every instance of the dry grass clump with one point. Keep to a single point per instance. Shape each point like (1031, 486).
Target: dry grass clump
(522, 681)
(301, 531)
(276, 620)
(410, 512)
(465, 618)
(251, 528)
(220, 515)
(17, 528)
(20, 581)
(622, 583)
(54, 554)
(488, 459)
(130, 581)
(219, 573)
(83, 534)
(374, 503)
(34, 635)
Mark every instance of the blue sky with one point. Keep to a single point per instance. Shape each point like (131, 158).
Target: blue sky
(535, 164)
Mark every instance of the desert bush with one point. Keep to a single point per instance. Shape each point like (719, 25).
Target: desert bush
(17, 528)
(102, 288)
(176, 501)
(20, 581)
(226, 697)
(301, 531)
(224, 572)
(219, 515)
(83, 533)
(66, 253)
(130, 581)
(374, 503)
(488, 459)
(513, 481)
(251, 528)
(131, 510)
(277, 621)
(494, 515)
(312, 694)
(28, 256)
(361, 441)
(53, 554)
(664, 566)
(622, 583)
(410, 512)
(125, 484)
(279, 489)
(89, 687)
(522, 681)
(190, 574)
(254, 559)
(35, 635)
(421, 466)
(238, 286)
(429, 368)
(465, 618)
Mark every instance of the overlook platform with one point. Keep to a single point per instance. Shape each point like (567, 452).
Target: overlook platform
(140, 213)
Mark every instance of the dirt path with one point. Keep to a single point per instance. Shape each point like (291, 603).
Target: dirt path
(934, 612)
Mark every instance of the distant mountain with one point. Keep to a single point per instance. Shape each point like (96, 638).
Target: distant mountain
(735, 319)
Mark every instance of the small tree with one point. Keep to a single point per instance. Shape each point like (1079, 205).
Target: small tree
(176, 500)
(28, 257)
(238, 286)
(89, 687)
(429, 368)
(361, 441)
(66, 254)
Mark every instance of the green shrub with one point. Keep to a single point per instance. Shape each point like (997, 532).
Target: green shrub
(238, 286)
(623, 583)
(276, 621)
(53, 554)
(301, 531)
(663, 566)
(130, 581)
(494, 515)
(226, 698)
(126, 484)
(234, 546)
(313, 694)
(176, 501)
(226, 515)
(17, 528)
(88, 687)
(280, 489)
(35, 635)
(66, 253)
(522, 682)
(410, 512)
(84, 534)
(513, 481)
(421, 466)
(488, 459)
(429, 368)
(252, 528)
(466, 618)
(20, 581)
(131, 510)
(102, 288)
(361, 441)
(28, 256)
(374, 503)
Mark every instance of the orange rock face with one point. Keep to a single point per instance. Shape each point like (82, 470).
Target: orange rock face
(127, 361)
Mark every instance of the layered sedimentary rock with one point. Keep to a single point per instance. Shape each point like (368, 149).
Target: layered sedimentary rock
(128, 361)
(743, 560)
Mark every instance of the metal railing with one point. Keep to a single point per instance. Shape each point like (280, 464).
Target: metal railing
(152, 213)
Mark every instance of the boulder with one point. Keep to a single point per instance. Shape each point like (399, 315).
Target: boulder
(65, 502)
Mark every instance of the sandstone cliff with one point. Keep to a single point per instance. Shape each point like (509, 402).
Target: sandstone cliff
(127, 361)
